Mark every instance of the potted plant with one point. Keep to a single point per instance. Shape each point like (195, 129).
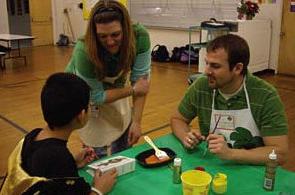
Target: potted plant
(248, 9)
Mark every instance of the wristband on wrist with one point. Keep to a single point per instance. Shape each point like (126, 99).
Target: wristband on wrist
(93, 189)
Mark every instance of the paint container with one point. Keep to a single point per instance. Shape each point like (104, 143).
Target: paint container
(195, 182)
(219, 184)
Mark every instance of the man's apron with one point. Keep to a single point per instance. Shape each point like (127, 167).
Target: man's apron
(237, 126)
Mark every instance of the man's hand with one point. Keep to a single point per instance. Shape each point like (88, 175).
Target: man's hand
(192, 139)
(85, 156)
(105, 182)
(217, 145)
(134, 133)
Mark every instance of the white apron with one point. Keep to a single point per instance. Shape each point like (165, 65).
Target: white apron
(230, 120)
(108, 122)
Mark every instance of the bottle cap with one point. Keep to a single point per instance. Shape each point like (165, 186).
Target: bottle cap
(177, 161)
(200, 168)
(273, 155)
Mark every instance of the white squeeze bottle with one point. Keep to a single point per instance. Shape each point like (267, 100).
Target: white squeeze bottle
(177, 170)
(270, 171)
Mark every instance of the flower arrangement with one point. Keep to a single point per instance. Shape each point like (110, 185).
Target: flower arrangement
(248, 8)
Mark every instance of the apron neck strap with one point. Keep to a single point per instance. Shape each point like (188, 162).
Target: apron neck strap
(213, 99)
(246, 94)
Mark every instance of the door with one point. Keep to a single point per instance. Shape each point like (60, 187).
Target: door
(287, 42)
(41, 22)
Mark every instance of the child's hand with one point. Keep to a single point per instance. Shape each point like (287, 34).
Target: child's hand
(105, 182)
(85, 156)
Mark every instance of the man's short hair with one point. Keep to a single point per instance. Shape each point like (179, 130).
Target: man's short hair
(236, 47)
(63, 97)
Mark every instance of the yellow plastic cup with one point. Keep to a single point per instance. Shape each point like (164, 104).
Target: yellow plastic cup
(219, 183)
(195, 182)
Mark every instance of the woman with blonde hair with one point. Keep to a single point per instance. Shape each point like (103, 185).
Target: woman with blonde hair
(112, 52)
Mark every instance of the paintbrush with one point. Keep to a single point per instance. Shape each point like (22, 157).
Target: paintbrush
(206, 142)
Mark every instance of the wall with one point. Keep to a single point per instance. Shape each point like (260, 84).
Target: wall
(62, 24)
(3, 20)
(3, 17)
(173, 38)
(169, 37)
(273, 12)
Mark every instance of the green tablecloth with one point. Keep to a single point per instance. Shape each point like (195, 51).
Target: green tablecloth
(242, 179)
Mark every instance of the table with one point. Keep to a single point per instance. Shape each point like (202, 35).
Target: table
(12, 37)
(1, 54)
(242, 179)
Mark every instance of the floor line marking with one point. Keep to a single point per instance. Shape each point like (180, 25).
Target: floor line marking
(15, 125)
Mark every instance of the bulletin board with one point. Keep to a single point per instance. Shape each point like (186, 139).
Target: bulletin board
(180, 13)
(88, 4)
(174, 13)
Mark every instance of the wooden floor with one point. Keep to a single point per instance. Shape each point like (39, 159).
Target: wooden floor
(20, 88)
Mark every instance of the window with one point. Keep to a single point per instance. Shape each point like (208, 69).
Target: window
(26, 6)
(11, 7)
(19, 7)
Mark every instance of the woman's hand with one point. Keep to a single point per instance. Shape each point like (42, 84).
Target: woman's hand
(85, 156)
(141, 87)
(134, 133)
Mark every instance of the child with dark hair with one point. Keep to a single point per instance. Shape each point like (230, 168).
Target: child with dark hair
(41, 161)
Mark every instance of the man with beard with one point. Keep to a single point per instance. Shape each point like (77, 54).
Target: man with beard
(240, 116)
